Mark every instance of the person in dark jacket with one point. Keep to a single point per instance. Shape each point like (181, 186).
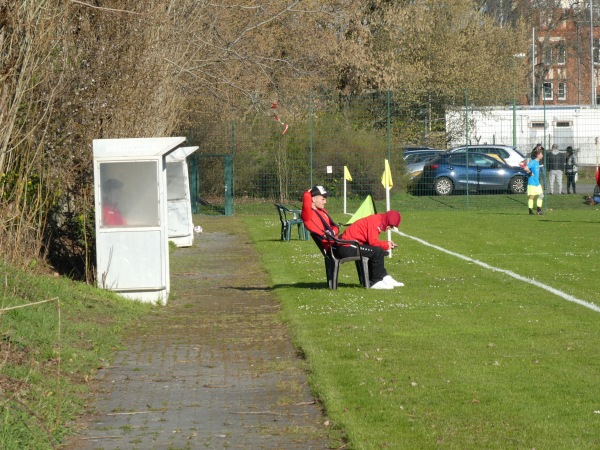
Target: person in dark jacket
(571, 170)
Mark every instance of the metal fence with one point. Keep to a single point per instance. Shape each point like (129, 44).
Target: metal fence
(276, 154)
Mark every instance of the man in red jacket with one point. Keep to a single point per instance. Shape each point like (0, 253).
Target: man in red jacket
(314, 215)
(366, 231)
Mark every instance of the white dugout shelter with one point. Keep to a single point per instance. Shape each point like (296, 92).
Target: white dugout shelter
(181, 227)
(132, 245)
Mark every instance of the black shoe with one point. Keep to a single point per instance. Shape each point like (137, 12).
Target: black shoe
(540, 212)
(531, 212)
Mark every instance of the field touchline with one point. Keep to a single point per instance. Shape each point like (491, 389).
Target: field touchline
(561, 294)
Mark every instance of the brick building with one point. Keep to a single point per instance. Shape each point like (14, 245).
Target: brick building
(561, 71)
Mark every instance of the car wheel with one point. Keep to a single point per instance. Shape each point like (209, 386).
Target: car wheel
(443, 186)
(517, 185)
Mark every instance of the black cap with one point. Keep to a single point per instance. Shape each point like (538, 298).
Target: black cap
(319, 190)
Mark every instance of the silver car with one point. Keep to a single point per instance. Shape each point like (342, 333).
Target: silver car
(416, 159)
(509, 154)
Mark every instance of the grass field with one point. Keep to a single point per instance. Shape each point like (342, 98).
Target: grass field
(463, 356)
(54, 336)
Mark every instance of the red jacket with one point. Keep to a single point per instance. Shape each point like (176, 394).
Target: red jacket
(112, 216)
(313, 218)
(367, 231)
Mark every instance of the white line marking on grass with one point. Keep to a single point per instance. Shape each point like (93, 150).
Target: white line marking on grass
(561, 294)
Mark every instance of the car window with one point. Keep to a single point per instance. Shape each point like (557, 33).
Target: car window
(419, 157)
(482, 160)
(458, 159)
(425, 156)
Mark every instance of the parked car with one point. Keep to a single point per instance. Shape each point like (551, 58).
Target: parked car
(416, 159)
(412, 148)
(511, 155)
(449, 172)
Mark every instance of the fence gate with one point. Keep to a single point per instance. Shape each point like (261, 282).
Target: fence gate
(211, 184)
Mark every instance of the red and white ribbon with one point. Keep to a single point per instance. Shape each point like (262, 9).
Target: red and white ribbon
(285, 125)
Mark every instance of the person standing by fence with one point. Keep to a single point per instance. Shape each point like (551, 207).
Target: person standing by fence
(556, 164)
(571, 170)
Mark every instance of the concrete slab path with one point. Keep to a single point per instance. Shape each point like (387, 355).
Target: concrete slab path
(215, 368)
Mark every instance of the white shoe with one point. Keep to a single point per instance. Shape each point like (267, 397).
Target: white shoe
(382, 285)
(389, 280)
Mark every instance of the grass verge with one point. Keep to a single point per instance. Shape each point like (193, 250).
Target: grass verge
(54, 335)
(463, 356)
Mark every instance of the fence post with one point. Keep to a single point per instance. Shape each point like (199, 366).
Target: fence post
(232, 164)
(389, 126)
(311, 139)
(467, 140)
(228, 186)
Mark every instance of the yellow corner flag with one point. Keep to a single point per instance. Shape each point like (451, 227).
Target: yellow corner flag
(386, 179)
(367, 208)
(347, 174)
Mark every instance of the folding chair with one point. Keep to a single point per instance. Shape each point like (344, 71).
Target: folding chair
(332, 263)
(289, 218)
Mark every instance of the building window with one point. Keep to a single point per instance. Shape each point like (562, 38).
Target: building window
(561, 50)
(548, 91)
(564, 124)
(562, 91)
(547, 56)
(536, 125)
(596, 51)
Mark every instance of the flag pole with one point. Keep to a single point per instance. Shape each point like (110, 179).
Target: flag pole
(386, 180)
(387, 208)
(347, 177)
(345, 195)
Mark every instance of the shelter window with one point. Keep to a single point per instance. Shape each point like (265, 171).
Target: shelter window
(126, 198)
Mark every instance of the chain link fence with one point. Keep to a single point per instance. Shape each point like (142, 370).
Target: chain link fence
(278, 153)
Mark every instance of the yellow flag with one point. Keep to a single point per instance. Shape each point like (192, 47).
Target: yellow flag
(347, 174)
(365, 209)
(386, 179)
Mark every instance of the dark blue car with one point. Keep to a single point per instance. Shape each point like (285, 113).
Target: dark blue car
(449, 172)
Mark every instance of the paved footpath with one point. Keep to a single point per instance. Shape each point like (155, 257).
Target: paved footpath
(213, 369)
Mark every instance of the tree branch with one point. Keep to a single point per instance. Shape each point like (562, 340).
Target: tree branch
(108, 9)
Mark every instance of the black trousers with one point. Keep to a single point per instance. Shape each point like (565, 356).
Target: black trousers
(571, 183)
(376, 257)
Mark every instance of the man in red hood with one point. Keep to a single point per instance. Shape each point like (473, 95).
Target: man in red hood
(366, 231)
